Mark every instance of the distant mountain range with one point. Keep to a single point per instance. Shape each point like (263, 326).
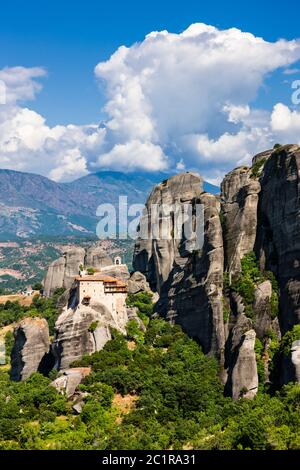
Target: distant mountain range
(33, 205)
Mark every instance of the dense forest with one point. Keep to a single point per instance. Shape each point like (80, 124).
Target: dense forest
(174, 398)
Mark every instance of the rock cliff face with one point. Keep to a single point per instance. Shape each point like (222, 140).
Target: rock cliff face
(31, 350)
(278, 231)
(156, 257)
(260, 212)
(203, 283)
(96, 257)
(239, 196)
(138, 283)
(62, 271)
(290, 365)
(69, 380)
(83, 330)
(188, 279)
(243, 379)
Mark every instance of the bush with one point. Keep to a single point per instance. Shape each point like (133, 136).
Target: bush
(134, 332)
(91, 271)
(93, 326)
(257, 168)
(246, 283)
(37, 286)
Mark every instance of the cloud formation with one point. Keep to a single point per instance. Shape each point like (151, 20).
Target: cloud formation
(173, 101)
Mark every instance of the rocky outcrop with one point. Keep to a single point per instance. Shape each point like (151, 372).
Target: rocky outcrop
(156, 255)
(55, 276)
(69, 380)
(62, 271)
(262, 308)
(260, 212)
(187, 275)
(295, 359)
(31, 350)
(97, 258)
(243, 378)
(84, 330)
(278, 240)
(192, 296)
(239, 193)
(138, 283)
(290, 365)
(132, 314)
(119, 271)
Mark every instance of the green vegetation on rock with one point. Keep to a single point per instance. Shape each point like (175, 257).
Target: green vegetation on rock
(257, 168)
(142, 301)
(247, 281)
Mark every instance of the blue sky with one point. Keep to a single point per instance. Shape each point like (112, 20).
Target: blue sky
(206, 93)
(69, 38)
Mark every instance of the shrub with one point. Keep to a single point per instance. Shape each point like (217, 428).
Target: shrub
(142, 301)
(134, 332)
(257, 168)
(93, 326)
(91, 270)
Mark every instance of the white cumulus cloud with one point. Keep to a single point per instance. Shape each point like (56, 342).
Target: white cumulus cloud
(184, 101)
(190, 94)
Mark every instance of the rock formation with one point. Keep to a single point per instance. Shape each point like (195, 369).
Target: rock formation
(83, 330)
(278, 231)
(153, 256)
(239, 194)
(31, 350)
(62, 271)
(295, 359)
(189, 279)
(197, 277)
(260, 212)
(243, 378)
(290, 365)
(138, 283)
(97, 258)
(262, 307)
(68, 381)
(119, 271)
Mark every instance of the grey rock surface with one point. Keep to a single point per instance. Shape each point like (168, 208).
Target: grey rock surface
(69, 380)
(189, 280)
(154, 256)
(239, 194)
(97, 258)
(62, 271)
(120, 271)
(295, 358)
(278, 231)
(138, 283)
(31, 349)
(290, 365)
(74, 336)
(262, 309)
(243, 375)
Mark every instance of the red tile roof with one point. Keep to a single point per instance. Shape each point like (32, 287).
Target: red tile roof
(101, 278)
